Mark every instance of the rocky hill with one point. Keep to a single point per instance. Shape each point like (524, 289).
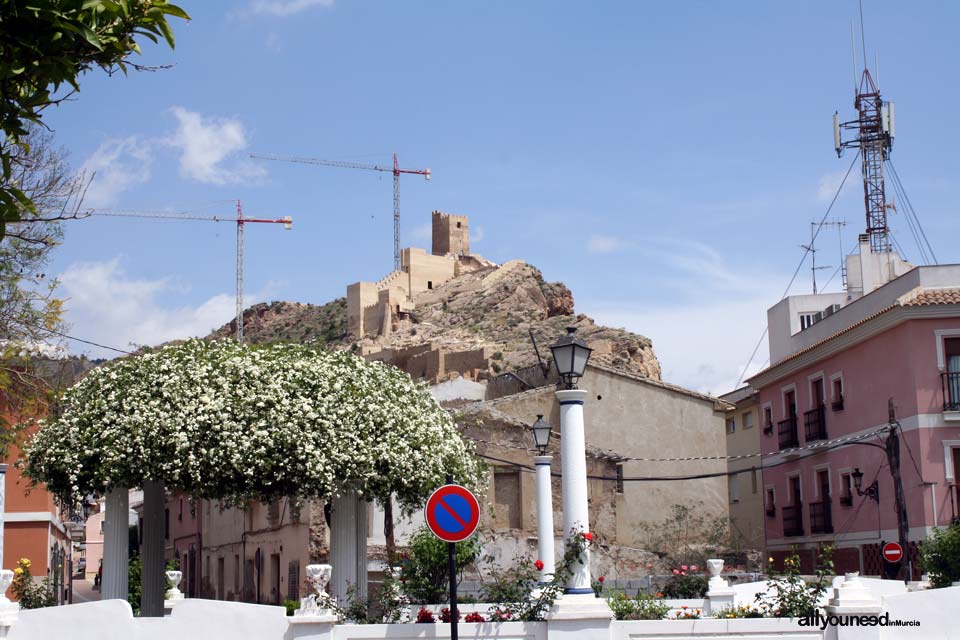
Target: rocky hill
(497, 307)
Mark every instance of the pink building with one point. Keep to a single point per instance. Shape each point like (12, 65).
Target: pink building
(838, 360)
(183, 539)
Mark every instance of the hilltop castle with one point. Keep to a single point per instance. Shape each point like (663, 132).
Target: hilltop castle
(375, 309)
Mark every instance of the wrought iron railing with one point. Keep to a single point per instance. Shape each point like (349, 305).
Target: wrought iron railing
(792, 520)
(950, 381)
(837, 404)
(787, 430)
(815, 424)
(821, 517)
(846, 501)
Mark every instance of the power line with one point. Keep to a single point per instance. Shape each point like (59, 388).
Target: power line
(90, 342)
(911, 210)
(803, 259)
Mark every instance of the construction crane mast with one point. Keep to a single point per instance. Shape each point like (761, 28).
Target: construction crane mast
(240, 220)
(395, 170)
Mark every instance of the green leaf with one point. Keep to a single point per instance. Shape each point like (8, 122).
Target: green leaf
(174, 10)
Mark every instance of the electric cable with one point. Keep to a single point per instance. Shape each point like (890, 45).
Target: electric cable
(803, 259)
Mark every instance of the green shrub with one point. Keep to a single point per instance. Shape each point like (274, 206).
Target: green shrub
(743, 611)
(291, 606)
(794, 597)
(513, 584)
(30, 593)
(940, 556)
(642, 607)
(424, 570)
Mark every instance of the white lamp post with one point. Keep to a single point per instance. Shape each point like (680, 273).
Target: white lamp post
(545, 551)
(570, 355)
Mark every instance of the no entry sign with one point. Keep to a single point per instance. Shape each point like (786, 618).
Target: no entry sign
(892, 552)
(452, 513)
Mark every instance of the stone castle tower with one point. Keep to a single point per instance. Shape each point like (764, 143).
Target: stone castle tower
(451, 235)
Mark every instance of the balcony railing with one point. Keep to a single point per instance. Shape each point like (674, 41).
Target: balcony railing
(846, 501)
(838, 404)
(815, 424)
(792, 520)
(787, 430)
(950, 381)
(771, 511)
(821, 518)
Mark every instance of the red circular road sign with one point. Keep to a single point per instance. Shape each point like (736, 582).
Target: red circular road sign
(452, 513)
(892, 552)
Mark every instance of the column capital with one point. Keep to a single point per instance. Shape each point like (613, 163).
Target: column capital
(542, 460)
(572, 396)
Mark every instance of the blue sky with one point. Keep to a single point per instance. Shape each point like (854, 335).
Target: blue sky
(664, 160)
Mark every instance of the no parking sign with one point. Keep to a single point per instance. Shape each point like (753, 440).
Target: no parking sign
(452, 513)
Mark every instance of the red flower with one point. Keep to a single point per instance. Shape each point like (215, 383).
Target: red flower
(693, 567)
(539, 565)
(676, 572)
(683, 573)
(684, 567)
(600, 579)
(588, 536)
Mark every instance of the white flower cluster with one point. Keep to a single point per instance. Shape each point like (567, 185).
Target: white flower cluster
(227, 421)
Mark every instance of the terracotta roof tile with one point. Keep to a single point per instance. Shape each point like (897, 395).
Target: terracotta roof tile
(929, 297)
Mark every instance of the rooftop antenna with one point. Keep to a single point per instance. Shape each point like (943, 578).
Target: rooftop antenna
(853, 55)
(813, 255)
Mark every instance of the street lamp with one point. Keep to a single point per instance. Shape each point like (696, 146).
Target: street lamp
(541, 434)
(872, 492)
(545, 550)
(570, 355)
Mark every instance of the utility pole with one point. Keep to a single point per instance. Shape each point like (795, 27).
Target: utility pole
(892, 447)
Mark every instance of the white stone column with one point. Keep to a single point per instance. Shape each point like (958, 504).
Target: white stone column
(152, 578)
(545, 548)
(719, 594)
(578, 614)
(348, 546)
(116, 552)
(576, 518)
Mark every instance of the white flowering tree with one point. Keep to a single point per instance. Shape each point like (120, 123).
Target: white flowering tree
(227, 421)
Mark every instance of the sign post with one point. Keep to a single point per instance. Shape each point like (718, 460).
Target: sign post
(452, 514)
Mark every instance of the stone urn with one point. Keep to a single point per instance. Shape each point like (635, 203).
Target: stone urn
(6, 579)
(318, 604)
(174, 593)
(714, 567)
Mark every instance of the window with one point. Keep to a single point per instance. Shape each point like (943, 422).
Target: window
(506, 493)
(733, 486)
(846, 489)
(180, 512)
(816, 392)
(771, 502)
(731, 425)
(746, 420)
(807, 320)
(429, 284)
(768, 418)
(619, 482)
(236, 575)
(166, 524)
(837, 394)
(458, 225)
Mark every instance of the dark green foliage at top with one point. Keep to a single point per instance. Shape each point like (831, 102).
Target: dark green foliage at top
(940, 556)
(45, 45)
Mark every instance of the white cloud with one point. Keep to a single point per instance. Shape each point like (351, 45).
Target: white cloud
(708, 319)
(421, 233)
(830, 183)
(206, 146)
(477, 234)
(119, 164)
(605, 244)
(284, 8)
(104, 304)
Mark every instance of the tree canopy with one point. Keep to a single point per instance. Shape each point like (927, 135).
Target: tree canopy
(223, 420)
(45, 45)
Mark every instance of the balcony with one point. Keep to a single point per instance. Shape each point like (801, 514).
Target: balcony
(950, 382)
(838, 404)
(846, 501)
(821, 517)
(815, 424)
(792, 521)
(787, 430)
(771, 511)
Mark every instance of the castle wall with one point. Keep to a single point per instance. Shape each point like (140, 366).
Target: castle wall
(361, 300)
(425, 271)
